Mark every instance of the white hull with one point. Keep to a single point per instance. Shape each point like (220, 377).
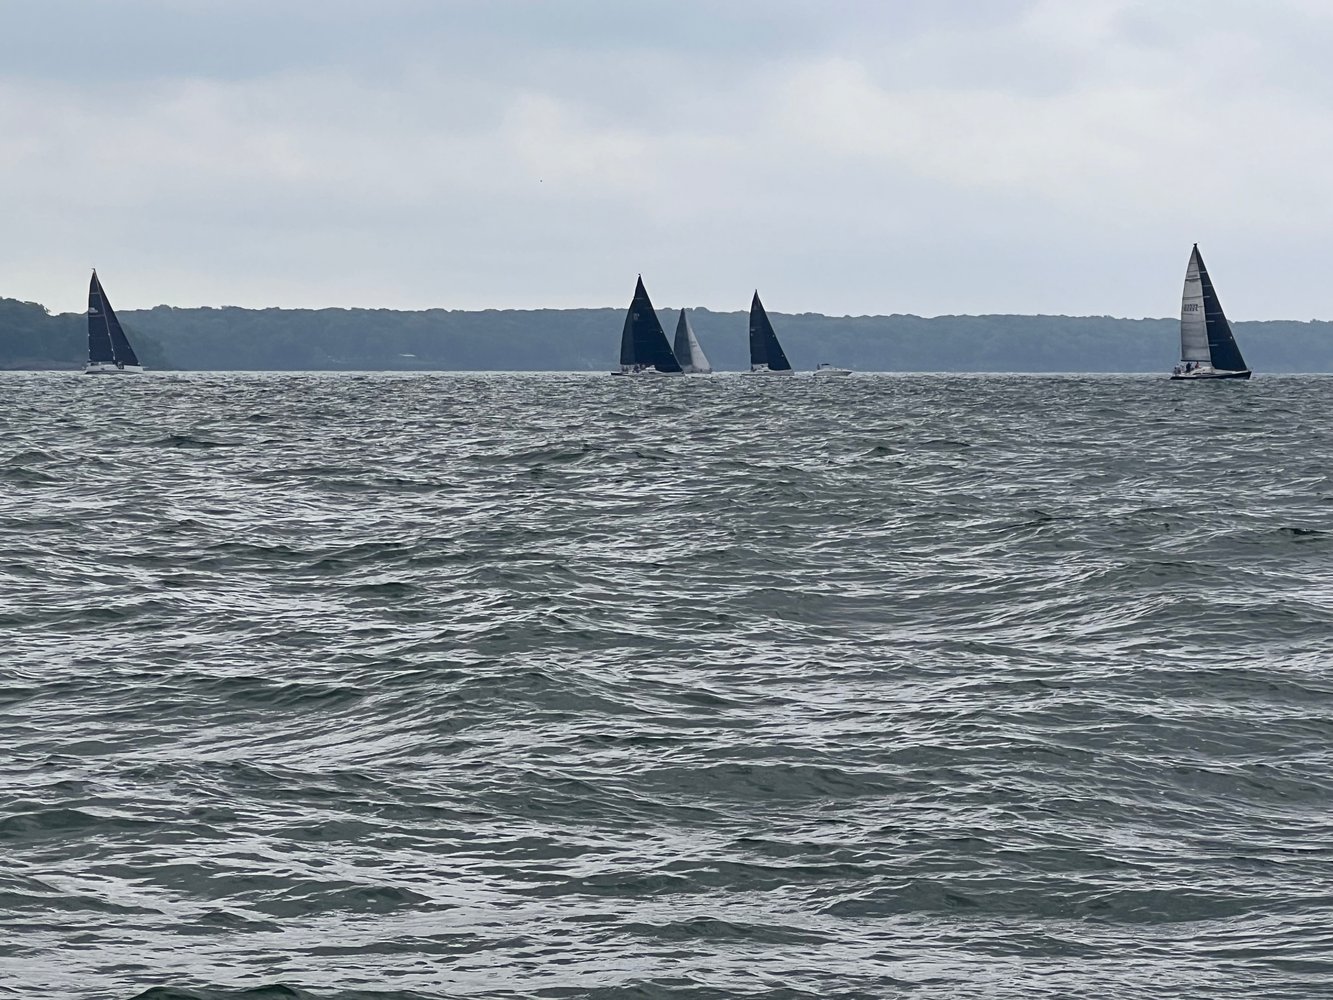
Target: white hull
(647, 373)
(105, 368)
(1206, 374)
(767, 371)
(832, 372)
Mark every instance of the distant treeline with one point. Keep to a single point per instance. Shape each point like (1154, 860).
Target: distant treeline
(588, 339)
(31, 338)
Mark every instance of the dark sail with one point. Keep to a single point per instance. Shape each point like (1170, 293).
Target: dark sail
(764, 346)
(99, 332)
(643, 341)
(681, 346)
(107, 342)
(1221, 342)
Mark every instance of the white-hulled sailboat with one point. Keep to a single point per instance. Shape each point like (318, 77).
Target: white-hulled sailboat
(109, 350)
(766, 354)
(643, 345)
(688, 352)
(1207, 346)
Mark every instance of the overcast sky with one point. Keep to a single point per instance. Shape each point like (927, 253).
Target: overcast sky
(919, 156)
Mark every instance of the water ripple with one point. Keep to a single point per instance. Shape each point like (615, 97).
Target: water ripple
(414, 686)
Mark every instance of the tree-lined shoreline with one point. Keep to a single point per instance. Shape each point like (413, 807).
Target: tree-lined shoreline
(234, 338)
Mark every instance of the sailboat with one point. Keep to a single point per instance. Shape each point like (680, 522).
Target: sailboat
(766, 357)
(1207, 346)
(687, 349)
(109, 350)
(643, 345)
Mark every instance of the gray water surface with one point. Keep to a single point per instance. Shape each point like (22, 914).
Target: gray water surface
(487, 686)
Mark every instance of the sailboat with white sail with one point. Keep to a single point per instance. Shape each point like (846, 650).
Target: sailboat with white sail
(644, 349)
(109, 350)
(1207, 344)
(766, 354)
(688, 352)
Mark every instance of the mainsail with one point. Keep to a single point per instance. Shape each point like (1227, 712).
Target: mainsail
(764, 347)
(643, 344)
(107, 343)
(687, 349)
(1205, 334)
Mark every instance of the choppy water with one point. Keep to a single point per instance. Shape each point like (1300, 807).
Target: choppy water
(562, 686)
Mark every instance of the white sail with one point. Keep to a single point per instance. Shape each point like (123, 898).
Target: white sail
(1193, 323)
(687, 349)
(698, 360)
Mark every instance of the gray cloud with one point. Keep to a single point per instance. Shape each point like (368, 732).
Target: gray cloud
(928, 157)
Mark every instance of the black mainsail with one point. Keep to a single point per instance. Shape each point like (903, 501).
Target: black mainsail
(643, 343)
(765, 351)
(1207, 345)
(107, 343)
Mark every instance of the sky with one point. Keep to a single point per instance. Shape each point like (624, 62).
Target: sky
(898, 156)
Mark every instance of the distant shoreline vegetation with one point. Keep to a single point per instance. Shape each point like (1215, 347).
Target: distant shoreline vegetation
(231, 338)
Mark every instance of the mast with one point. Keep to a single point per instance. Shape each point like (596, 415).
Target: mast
(764, 346)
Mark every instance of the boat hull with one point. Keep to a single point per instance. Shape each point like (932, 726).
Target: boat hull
(769, 371)
(1208, 375)
(832, 373)
(103, 368)
(647, 373)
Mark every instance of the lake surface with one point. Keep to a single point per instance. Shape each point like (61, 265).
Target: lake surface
(508, 686)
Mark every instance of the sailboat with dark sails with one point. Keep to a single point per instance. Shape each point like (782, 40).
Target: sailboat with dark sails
(766, 354)
(109, 350)
(691, 356)
(644, 349)
(1207, 345)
